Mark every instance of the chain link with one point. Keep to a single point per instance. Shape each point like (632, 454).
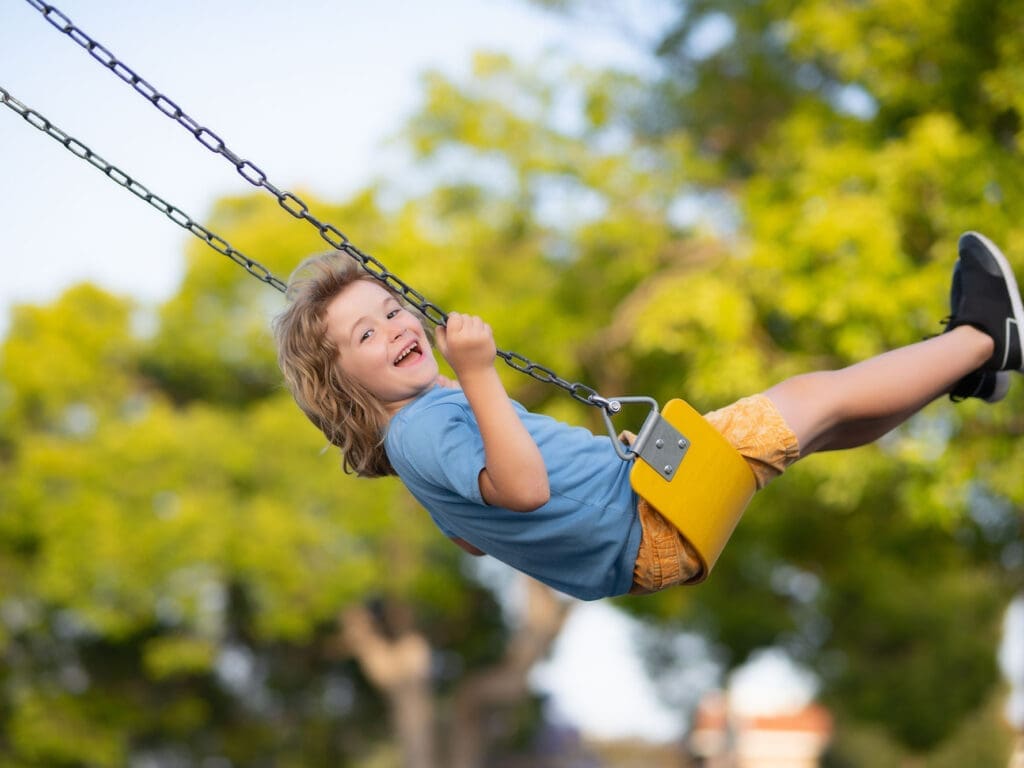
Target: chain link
(290, 202)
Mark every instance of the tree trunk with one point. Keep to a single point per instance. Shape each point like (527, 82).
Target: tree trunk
(505, 683)
(1017, 756)
(400, 668)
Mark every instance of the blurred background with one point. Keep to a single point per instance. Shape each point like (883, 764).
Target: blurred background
(667, 197)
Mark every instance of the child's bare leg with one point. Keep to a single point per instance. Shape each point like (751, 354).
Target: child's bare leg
(857, 405)
(828, 410)
(855, 433)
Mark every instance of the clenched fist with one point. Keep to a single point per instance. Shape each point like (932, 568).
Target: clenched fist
(467, 343)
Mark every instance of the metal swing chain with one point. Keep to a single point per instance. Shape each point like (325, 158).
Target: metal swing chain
(255, 176)
(173, 212)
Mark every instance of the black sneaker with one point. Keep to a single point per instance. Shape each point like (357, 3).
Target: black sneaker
(990, 386)
(985, 295)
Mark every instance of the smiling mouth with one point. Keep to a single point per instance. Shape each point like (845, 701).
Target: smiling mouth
(409, 354)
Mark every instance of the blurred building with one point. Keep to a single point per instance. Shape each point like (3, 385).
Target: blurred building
(724, 738)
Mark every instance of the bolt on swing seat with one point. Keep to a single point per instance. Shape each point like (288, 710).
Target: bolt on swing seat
(690, 474)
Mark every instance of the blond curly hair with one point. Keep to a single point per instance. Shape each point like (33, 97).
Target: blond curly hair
(343, 409)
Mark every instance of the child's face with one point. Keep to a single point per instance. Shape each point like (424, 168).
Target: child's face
(381, 344)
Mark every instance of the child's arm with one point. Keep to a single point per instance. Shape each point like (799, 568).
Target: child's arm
(514, 475)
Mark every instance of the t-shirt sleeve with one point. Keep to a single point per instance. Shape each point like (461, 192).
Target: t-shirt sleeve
(442, 446)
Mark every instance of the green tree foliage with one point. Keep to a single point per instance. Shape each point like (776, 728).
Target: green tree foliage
(885, 568)
(175, 560)
(882, 569)
(178, 556)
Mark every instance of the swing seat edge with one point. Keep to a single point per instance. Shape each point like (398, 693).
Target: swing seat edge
(709, 491)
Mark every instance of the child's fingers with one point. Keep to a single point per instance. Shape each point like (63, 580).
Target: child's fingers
(468, 326)
(467, 339)
(474, 327)
(441, 339)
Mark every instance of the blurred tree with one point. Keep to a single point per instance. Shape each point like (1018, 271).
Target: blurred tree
(840, 247)
(845, 145)
(184, 577)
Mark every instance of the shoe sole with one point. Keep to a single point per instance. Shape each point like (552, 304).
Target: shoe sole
(1015, 301)
(1002, 386)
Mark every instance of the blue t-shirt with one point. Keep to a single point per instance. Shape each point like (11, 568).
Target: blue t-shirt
(583, 541)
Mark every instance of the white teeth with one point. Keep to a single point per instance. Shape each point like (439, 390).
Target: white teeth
(405, 353)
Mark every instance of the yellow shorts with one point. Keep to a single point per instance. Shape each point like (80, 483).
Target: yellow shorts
(756, 429)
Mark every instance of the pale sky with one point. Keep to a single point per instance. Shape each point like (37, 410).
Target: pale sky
(1011, 660)
(310, 91)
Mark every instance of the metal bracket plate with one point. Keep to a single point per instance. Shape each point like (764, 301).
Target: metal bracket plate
(661, 445)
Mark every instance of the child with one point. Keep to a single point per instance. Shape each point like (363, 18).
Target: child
(554, 501)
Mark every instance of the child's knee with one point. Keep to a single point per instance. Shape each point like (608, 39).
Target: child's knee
(757, 430)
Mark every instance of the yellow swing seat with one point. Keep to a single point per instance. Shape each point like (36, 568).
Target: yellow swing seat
(692, 476)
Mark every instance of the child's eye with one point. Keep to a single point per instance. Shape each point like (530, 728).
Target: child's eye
(392, 313)
(366, 334)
